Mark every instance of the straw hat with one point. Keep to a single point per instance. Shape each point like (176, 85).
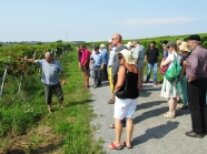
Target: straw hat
(129, 45)
(178, 42)
(102, 46)
(184, 47)
(128, 56)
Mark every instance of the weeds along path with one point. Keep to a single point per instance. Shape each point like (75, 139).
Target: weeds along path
(66, 130)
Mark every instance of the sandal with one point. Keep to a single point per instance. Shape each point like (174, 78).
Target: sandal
(113, 146)
(168, 115)
(111, 101)
(112, 126)
(129, 146)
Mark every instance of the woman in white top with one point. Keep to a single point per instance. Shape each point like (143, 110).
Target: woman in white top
(169, 90)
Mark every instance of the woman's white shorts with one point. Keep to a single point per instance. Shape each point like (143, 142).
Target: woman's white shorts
(124, 108)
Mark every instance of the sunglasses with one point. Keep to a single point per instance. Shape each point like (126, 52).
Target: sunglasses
(120, 56)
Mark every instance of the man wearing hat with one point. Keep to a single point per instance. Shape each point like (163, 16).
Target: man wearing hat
(182, 82)
(196, 72)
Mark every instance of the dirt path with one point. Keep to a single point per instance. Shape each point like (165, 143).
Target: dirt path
(153, 134)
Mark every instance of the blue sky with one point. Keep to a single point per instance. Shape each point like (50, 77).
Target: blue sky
(96, 20)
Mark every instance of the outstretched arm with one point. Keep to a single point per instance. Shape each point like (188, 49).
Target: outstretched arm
(31, 60)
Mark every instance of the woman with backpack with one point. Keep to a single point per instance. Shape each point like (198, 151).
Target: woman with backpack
(169, 90)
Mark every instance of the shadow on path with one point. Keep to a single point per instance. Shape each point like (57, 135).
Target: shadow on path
(156, 132)
(150, 114)
(149, 104)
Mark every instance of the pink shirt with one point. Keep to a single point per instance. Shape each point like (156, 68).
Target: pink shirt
(85, 57)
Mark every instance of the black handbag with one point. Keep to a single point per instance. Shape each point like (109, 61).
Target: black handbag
(124, 92)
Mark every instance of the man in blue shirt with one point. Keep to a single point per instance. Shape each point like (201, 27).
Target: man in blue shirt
(98, 62)
(51, 70)
(105, 57)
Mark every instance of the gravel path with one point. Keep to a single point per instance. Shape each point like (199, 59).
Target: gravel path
(153, 134)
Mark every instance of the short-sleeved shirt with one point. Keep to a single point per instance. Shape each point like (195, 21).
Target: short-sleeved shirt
(105, 56)
(97, 58)
(111, 56)
(152, 55)
(116, 63)
(85, 57)
(50, 72)
(173, 56)
(139, 53)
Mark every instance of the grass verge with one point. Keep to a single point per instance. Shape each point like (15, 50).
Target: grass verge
(66, 130)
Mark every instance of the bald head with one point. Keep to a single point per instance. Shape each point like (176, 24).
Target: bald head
(116, 39)
(48, 57)
(47, 54)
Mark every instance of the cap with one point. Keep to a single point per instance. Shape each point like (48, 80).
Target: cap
(194, 38)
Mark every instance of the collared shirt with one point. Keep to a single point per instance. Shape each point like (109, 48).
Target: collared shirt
(50, 71)
(97, 58)
(105, 56)
(111, 56)
(139, 54)
(116, 62)
(197, 63)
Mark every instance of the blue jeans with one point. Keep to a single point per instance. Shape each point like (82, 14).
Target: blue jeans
(150, 68)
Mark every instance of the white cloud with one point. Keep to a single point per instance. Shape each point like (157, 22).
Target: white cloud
(158, 21)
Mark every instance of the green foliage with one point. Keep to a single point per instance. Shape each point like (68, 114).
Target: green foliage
(20, 111)
(205, 44)
(13, 54)
(16, 118)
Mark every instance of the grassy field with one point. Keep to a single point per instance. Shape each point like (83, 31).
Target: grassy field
(66, 130)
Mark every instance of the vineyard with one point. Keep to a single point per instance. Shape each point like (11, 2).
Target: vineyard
(11, 56)
(21, 94)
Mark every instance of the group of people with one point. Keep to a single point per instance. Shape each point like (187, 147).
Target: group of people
(94, 64)
(191, 84)
(183, 65)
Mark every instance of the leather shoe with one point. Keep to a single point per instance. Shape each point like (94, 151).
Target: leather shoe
(194, 134)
